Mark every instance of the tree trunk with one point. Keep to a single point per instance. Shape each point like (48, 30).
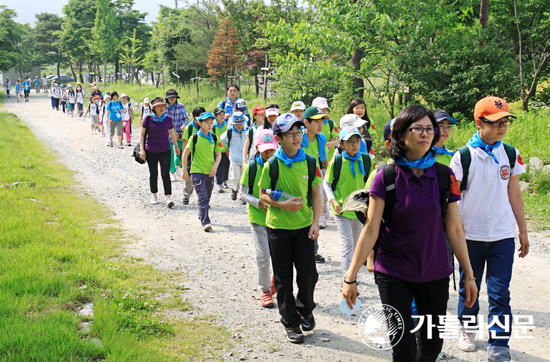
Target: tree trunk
(71, 65)
(484, 13)
(105, 71)
(256, 84)
(80, 71)
(358, 83)
(117, 68)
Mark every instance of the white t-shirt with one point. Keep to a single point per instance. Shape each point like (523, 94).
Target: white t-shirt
(71, 97)
(485, 207)
(126, 111)
(56, 92)
(79, 97)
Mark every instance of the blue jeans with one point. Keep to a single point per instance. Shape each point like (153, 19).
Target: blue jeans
(499, 257)
(203, 186)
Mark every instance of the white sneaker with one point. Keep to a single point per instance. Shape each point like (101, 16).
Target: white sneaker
(179, 172)
(154, 199)
(467, 341)
(322, 222)
(169, 202)
(173, 176)
(207, 227)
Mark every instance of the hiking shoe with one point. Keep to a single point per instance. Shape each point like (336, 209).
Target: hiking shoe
(233, 195)
(466, 341)
(308, 322)
(121, 146)
(154, 199)
(273, 289)
(173, 176)
(322, 222)
(319, 259)
(225, 185)
(220, 189)
(169, 203)
(267, 299)
(185, 201)
(129, 145)
(294, 334)
(207, 227)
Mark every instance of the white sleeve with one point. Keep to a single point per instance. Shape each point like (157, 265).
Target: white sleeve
(223, 138)
(246, 197)
(456, 166)
(328, 190)
(519, 167)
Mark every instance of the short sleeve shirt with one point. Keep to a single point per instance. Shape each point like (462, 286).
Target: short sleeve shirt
(126, 111)
(330, 135)
(218, 131)
(256, 216)
(313, 148)
(203, 155)
(190, 130)
(413, 246)
(157, 134)
(347, 183)
(292, 180)
(485, 207)
(115, 111)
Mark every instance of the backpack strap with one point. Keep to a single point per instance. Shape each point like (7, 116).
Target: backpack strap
(367, 163)
(311, 172)
(390, 173)
(273, 172)
(331, 125)
(195, 140)
(250, 139)
(465, 160)
(252, 170)
(443, 174)
(511, 153)
(336, 171)
(229, 135)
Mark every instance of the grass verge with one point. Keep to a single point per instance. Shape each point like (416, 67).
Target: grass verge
(59, 251)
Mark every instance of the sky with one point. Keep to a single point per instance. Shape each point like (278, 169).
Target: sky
(26, 9)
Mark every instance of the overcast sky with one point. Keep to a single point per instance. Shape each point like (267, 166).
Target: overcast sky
(26, 9)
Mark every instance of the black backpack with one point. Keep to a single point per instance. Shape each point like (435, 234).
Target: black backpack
(466, 160)
(311, 173)
(338, 168)
(196, 138)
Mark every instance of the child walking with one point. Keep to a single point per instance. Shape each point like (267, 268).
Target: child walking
(79, 95)
(114, 119)
(93, 111)
(27, 88)
(488, 174)
(202, 146)
(192, 128)
(257, 212)
(127, 117)
(71, 98)
(18, 91)
(445, 123)
(292, 225)
(258, 118)
(234, 139)
(220, 126)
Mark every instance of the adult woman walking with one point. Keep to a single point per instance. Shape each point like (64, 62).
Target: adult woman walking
(230, 102)
(156, 148)
(412, 260)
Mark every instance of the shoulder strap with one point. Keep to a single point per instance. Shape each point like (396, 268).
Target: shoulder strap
(511, 153)
(229, 135)
(367, 161)
(195, 140)
(465, 160)
(252, 170)
(215, 138)
(390, 173)
(443, 174)
(311, 172)
(250, 139)
(273, 172)
(190, 127)
(337, 168)
(331, 125)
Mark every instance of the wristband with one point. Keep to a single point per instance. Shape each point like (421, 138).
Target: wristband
(353, 282)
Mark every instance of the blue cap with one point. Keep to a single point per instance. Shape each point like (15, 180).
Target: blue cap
(441, 115)
(284, 123)
(238, 118)
(347, 132)
(206, 115)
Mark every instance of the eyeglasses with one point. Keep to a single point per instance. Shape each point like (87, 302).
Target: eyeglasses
(420, 130)
(498, 124)
(294, 135)
(446, 128)
(353, 143)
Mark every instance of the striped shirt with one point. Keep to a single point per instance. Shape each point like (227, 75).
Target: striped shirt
(179, 117)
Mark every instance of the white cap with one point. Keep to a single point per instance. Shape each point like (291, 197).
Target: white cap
(351, 120)
(123, 95)
(241, 103)
(272, 112)
(320, 102)
(298, 105)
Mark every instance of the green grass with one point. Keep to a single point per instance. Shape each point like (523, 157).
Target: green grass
(58, 251)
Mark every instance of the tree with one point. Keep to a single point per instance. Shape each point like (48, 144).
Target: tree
(225, 52)
(47, 39)
(103, 33)
(130, 57)
(9, 38)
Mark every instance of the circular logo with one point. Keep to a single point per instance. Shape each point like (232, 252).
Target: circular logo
(505, 172)
(381, 327)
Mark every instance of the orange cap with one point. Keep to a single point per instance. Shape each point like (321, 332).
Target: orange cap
(492, 109)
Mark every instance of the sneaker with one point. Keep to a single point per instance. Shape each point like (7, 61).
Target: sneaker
(225, 185)
(129, 145)
(185, 201)
(319, 259)
(207, 227)
(154, 199)
(179, 172)
(267, 299)
(169, 203)
(498, 353)
(110, 144)
(173, 176)
(233, 195)
(308, 322)
(322, 222)
(220, 189)
(273, 289)
(466, 341)
(294, 334)
(121, 146)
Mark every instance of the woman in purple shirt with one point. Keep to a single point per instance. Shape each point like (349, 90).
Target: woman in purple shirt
(412, 261)
(156, 149)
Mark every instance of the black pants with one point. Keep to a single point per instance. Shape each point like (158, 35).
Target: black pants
(153, 159)
(56, 103)
(222, 174)
(27, 93)
(431, 299)
(63, 103)
(293, 249)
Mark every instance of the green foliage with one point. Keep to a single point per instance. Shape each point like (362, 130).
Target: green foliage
(103, 33)
(9, 38)
(47, 39)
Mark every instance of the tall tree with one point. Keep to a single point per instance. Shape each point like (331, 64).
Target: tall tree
(130, 57)
(225, 52)
(47, 39)
(9, 38)
(103, 33)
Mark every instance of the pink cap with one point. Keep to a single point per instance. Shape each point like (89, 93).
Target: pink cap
(266, 141)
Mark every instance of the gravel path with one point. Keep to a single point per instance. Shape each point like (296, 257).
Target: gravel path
(219, 270)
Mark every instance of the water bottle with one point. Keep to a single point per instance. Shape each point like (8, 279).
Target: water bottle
(278, 195)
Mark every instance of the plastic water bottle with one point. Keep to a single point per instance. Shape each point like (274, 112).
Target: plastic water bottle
(278, 195)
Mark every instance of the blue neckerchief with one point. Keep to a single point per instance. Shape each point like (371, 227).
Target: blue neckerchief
(209, 137)
(230, 106)
(239, 132)
(476, 141)
(161, 119)
(298, 157)
(259, 159)
(172, 106)
(321, 139)
(357, 158)
(422, 163)
(442, 151)
(220, 126)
